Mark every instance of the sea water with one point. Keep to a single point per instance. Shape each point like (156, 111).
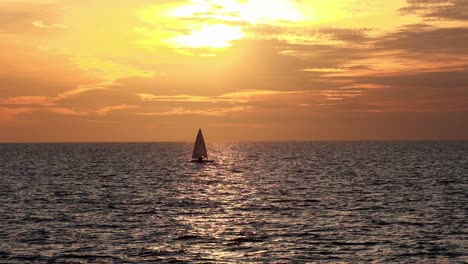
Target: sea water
(382, 202)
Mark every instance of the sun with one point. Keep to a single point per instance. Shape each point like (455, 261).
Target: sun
(209, 36)
(268, 11)
(215, 24)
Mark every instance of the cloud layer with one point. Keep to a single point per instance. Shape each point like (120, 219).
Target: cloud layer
(153, 70)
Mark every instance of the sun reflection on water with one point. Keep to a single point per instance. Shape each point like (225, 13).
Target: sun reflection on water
(221, 191)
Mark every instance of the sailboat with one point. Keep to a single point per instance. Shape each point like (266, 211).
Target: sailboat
(199, 149)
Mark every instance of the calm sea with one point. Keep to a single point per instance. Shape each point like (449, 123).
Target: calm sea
(360, 202)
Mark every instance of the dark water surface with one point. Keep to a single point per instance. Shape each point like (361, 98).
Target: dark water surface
(260, 202)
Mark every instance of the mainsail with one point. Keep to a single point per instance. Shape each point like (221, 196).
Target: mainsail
(199, 150)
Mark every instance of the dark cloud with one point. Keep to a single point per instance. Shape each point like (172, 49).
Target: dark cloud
(427, 92)
(249, 64)
(442, 81)
(355, 36)
(363, 102)
(426, 40)
(438, 9)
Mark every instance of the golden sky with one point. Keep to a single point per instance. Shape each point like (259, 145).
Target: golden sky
(156, 70)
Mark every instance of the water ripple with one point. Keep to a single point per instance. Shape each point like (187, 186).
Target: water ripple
(260, 202)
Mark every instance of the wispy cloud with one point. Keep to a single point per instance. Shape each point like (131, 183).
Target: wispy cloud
(27, 100)
(15, 111)
(175, 98)
(241, 125)
(12, 112)
(106, 110)
(83, 89)
(340, 59)
(326, 70)
(52, 100)
(245, 94)
(41, 24)
(365, 86)
(207, 112)
(65, 111)
(437, 9)
(232, 97)
(28, 104)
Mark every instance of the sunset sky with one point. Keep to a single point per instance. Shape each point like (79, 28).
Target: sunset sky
(156, 70)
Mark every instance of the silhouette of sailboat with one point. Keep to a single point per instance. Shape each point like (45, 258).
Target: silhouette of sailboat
(199, 149)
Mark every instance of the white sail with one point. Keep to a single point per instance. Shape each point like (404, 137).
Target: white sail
(199, 149)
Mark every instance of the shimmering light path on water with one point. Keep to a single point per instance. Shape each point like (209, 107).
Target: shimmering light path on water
(260, 202)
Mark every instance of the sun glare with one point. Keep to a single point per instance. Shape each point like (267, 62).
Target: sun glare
(210, 36)
(252, 11)
(220, 32)
(267, 11)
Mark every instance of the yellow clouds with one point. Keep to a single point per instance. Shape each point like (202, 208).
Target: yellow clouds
(83, 89)
(251, 11)
(175, 98)
(207, 112)
(233, 97)
(233, 63)
(213, 24)
(64, 111)
(54, 104)
(107, 109)
(51, 100)
(111, 40)
(28, 100)
(209, 36)
(244, 95)
(41, 24)
(244, 101)
(219, 111)
(99, 38)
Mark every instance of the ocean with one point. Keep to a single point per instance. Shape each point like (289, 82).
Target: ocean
(301, 202)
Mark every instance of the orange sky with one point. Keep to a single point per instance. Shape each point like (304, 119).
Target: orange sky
(242, 70)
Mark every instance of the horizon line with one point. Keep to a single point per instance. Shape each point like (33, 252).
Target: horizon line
(235, 141)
